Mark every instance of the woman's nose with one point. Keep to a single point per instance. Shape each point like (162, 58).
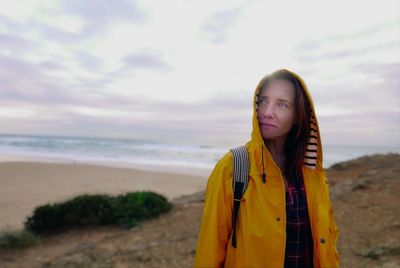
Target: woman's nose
(268, 111)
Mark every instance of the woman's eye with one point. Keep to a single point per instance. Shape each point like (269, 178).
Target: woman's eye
(283, 105)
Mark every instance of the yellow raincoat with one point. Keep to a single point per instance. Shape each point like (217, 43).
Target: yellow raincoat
(261, 225)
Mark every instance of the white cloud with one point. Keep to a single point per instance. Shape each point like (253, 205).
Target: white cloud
(17, 112)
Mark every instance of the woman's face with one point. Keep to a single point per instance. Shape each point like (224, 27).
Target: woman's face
(276, 109)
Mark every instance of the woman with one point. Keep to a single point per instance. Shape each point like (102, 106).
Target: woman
(285, 217)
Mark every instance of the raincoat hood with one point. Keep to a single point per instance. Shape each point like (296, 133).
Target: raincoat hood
(313, 157)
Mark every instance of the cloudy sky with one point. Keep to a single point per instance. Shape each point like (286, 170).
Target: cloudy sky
(185, 70)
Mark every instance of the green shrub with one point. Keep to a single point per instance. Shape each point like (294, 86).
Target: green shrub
(139, 206)
(17, 239)
(80, 211)
(45, 217)
(126, 210)
(88, 210)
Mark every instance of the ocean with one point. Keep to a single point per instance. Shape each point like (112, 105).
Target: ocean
(119, 152)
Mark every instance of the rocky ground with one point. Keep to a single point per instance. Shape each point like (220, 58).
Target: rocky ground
(366, 199)
(364, 192)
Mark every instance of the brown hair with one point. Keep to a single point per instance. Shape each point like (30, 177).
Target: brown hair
(296, 141)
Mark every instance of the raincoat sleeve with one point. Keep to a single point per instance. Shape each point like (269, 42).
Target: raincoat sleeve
(216, 222)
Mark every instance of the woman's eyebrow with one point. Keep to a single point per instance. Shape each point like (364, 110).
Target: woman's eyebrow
(283, 100)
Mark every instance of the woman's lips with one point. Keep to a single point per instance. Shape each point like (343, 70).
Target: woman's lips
(269, 125)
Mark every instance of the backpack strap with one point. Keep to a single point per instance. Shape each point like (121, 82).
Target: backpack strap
(239, 183)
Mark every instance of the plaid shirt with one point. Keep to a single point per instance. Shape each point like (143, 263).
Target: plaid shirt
(299, 244)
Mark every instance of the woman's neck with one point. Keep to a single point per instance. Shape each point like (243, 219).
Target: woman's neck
(277, 149)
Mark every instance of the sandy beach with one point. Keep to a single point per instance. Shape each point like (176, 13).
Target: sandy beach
(25, 185)
(369, 227)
